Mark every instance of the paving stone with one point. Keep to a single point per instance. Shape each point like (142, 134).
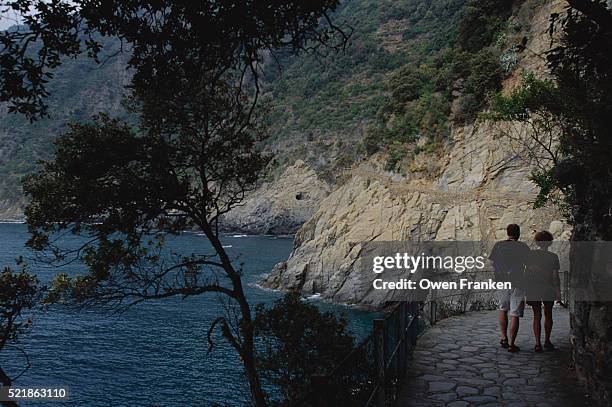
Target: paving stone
(466, 391)
(475, 382)
(444, 366)
(480, 399)
(517, 381)
(446, 346)
(511, 363)
(483, 365)
(505, 375)
(432, 378)
(471, 361)
(435, 387)
(458, 404)
(511, 396)
(492, 391)
(445, 397)
(533, 392)
(448, 355)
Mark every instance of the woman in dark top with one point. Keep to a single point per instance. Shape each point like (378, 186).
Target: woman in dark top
(543, 287)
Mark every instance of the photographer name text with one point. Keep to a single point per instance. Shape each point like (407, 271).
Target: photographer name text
(426, 284)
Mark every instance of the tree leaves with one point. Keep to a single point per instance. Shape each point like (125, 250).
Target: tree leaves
(299, 341)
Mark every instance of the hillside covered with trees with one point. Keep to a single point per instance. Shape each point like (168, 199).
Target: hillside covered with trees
(410, 68)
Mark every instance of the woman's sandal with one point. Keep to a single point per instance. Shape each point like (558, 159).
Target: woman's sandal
(504, 343)
(538, 349)
(549, 346)
(513, 348)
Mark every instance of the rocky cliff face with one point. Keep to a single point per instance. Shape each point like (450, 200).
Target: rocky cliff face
(11, 210)
(480, 185)
(281, 206)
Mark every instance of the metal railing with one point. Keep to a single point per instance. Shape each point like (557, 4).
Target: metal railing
(370, 375)
(436, 308)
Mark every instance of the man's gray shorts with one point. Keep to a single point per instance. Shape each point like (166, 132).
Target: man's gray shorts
(512, 301)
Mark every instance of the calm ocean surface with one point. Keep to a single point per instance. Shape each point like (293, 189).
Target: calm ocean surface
(155, 354)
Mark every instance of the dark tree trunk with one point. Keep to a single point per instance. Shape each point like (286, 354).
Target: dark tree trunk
(253, 376)
(247, 348)
(6, 381)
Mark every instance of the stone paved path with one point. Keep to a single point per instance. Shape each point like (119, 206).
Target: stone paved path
(459, 362)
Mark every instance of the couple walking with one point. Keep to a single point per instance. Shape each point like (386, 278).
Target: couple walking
(534, 275)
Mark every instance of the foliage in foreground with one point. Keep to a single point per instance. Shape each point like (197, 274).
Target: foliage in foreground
(19, 292)
(194, 69)
(299, 341)
(570, 120)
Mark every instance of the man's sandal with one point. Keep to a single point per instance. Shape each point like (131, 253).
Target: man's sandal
(538, 349)
(504, 343)
(513, 348)
(549, 346)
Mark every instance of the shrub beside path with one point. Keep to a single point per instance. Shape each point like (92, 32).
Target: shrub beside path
(458, 362)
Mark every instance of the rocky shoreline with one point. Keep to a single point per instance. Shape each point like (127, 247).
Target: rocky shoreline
(279, 207)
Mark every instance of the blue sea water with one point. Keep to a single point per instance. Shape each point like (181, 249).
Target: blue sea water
(155, 354)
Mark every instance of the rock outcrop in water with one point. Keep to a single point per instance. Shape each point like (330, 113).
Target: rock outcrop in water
(11, 211)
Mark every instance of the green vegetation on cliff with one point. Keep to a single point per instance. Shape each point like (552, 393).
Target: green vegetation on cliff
(79, 89)
(339, 92)
(326, 103)
(412, 68)
(440, 86)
